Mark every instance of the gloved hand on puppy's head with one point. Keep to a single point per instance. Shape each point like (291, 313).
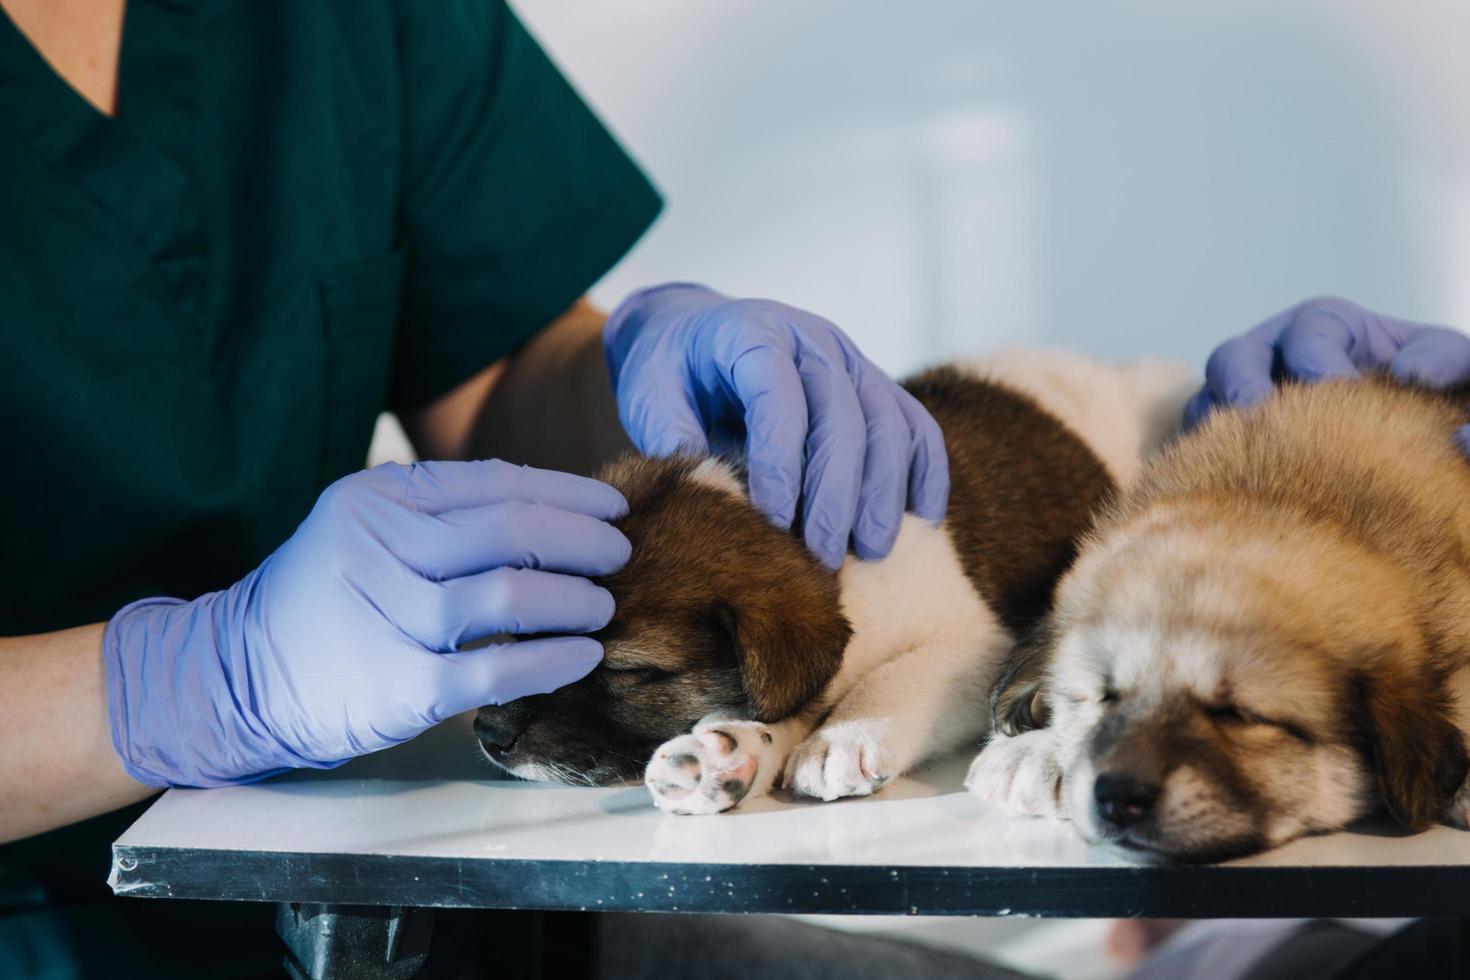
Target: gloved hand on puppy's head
(821, 427)
(1330, 338)
(347, 639)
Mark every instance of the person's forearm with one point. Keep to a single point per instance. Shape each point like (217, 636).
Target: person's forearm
(549, 405)
(57, 762)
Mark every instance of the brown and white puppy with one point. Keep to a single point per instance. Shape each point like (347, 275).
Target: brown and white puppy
(734, 658)
(1265, 637)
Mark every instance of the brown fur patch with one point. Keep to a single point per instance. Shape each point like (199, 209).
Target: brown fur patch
(1022, 488)
(1418, 755)
(716, 609)
(702, 554)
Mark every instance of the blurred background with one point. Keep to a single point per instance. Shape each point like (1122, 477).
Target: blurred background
(939, 176)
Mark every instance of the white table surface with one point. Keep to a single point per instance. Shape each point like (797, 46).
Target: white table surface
(429, 824)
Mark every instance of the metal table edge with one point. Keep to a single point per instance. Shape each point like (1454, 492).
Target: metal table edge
(1206, 891)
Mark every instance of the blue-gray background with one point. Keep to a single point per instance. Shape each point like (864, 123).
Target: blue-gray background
(938, 176)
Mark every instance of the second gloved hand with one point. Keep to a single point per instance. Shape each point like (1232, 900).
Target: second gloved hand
(346, 640)
(821, 425)
(1328, 338)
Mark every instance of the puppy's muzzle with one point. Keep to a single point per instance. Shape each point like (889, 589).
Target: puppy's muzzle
(500, 728)
(1122, 800)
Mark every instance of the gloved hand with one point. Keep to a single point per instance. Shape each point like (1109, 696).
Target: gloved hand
(1329, 338)
(690, 366)
(344, 641)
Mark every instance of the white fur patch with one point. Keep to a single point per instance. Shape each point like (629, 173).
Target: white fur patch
(915, 677)
(914, 683)
(1022, 774)
(715, 472)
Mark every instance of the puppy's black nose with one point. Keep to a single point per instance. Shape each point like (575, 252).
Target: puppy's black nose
(1122, 800)
(498, 731)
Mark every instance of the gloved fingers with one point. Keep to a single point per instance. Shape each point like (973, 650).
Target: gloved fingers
(505, 672)
(929, 461)
(884, 489)
(627, 324)
(774, 402)
(1197, 409)
(1321, 338)
(443, 615)
(836, 445)
(1333, 338)
(1435, 357)
(661, 419)
(510, 533)
(1239, 371)
(436, 486)
(1318, 345)
(1375, 340)
(1269, 330)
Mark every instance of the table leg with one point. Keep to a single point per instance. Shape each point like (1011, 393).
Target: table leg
(335, 942)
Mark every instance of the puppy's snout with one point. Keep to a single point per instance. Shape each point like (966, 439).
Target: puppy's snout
(498, 729)
(1123, 800)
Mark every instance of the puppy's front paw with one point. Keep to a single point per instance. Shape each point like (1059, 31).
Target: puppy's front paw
(846, 759)
(711, 769)
(1020, 774)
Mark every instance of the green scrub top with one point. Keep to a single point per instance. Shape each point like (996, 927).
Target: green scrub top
(303, 214)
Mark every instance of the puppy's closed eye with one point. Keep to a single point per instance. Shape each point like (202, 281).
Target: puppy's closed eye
(636, 674)
(1234, 715)
(1227, 713)
(1079, 698)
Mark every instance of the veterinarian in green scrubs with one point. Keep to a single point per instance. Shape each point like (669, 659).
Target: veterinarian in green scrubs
(233, 233)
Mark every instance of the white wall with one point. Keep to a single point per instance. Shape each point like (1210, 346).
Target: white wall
(942, 175)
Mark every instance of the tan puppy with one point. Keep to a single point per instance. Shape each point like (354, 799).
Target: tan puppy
(1262, 638)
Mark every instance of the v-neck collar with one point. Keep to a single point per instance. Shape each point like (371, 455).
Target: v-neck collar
(136, 165)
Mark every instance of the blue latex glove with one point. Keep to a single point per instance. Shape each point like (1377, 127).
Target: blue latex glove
(344, 641)
(1329, 338)
(818, 420)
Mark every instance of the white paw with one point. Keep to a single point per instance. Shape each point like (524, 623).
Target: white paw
(845, 759)
(1020, 774)
(1459, 815)
(711, 769)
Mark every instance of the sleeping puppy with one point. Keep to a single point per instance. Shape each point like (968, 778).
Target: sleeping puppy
(735, 659)
(1265, 637)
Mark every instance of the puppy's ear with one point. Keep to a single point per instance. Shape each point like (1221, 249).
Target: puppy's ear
(788, 648)
(1018, 699)
(1418, 755)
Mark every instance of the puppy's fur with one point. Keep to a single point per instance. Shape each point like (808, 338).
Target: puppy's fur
(1265, 637)
(735, 659)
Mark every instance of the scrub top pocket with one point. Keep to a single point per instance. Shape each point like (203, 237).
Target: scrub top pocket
(360, 321)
